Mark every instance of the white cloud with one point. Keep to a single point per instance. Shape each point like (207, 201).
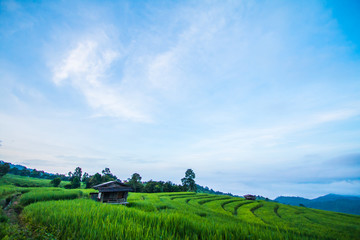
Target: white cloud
(86, 66)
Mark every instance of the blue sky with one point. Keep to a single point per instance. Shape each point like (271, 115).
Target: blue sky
(257, 97)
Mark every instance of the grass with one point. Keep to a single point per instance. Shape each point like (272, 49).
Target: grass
(42, 194)
(188, 216)
(57, 213)
(21, 181)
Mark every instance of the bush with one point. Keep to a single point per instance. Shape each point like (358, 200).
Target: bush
(56, 182)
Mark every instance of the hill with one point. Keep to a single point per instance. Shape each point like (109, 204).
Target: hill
(184, 215)
(330, 202)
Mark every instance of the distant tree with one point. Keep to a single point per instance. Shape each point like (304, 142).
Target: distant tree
(77, 173)
(159, 187)
(188, 181)
(56, 182)
(107, 175)
(85, 177)
(150, 186)
(106, 171)
(35, 173)
(25, 172)
(4, 169)
(75, 182)
(135, 182)
(94, 180)
(168, 187)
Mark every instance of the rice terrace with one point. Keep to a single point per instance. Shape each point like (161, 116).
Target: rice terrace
(43, 212)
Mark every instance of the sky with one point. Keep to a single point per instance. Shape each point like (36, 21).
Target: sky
(259, 97)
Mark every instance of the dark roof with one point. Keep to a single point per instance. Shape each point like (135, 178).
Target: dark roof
(112, 186)
(249, 195)
(107, 183)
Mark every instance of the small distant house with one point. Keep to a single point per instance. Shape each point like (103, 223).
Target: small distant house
(250, 197)
(114, 192)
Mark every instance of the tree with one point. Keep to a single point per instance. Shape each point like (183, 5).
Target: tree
(107, 175)
(106, 171)
(93, 180)
(4, 169)
(74, 178)
(150, 186)
(168, 187)
(56, 182)
(188, 181)
(85, 177)
(135, 182)
(77, 173)
(75, 182)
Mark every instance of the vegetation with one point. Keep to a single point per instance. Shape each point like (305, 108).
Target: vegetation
(189, 180)
(188, 216)
(56, 182)
(26, 172)
(74, 179)
(22, 181)
(4, 169)
(32, 209)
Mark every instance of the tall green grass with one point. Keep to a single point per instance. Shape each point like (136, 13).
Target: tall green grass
(21, 181)
(40, 195)
(188, 216)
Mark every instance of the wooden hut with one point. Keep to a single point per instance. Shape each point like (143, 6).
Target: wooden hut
(114, 192)
(250, 197)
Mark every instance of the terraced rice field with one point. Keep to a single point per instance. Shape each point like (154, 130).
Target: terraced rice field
(57, 213)
(188, 216)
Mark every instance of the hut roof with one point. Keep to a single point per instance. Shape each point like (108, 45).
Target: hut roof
(250, 197)
(112, 186)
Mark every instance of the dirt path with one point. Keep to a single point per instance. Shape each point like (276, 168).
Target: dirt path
(13, 209)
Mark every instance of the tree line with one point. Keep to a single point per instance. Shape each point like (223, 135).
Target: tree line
(78, 178)
(26, 172)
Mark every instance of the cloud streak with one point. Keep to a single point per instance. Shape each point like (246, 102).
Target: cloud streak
(86, 67)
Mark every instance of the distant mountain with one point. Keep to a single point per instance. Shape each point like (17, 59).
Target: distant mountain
(295, 201)
(330, 202)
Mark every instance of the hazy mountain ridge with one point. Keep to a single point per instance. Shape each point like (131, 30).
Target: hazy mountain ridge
(329, 202)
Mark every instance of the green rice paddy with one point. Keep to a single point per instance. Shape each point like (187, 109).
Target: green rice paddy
(70, 214)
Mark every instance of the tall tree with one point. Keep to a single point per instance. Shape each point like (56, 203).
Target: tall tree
(188, 181)
(135, 182)
(77, 173)
(85, 177)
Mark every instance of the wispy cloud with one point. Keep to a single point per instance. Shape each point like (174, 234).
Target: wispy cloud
(86, 67)
(243, 140)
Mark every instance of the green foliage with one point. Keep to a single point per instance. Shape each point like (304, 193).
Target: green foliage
(77, 173)
(4, 169)
(56, 182)
(97, 178)
(183, 215)
(188, 216)
(188, 181)
(135, 183)
(75, 182)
